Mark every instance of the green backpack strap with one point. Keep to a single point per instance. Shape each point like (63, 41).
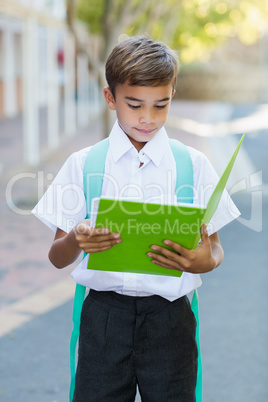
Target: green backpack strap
(94, 171)
(184, 166)
(184, 193)
(93, 178)
(195, 310)
(79, 297)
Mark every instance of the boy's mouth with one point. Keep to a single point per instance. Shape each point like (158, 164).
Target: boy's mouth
(143, 131)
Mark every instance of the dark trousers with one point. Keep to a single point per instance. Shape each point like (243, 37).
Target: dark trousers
(128, 341)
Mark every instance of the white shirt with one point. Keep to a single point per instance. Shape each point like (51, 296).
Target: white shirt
(63, 205)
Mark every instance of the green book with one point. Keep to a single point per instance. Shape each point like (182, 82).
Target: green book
(143, 224)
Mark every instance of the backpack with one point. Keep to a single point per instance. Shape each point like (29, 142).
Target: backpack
(94, 169)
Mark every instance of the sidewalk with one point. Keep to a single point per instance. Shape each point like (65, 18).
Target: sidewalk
(24, 241)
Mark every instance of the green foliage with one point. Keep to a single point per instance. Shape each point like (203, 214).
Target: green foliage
(92, 12)
(205, 24)
(195, 27)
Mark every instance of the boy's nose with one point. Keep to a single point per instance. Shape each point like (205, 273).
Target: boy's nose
(147, 117)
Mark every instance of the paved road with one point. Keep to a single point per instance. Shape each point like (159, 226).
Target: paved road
(233, 299)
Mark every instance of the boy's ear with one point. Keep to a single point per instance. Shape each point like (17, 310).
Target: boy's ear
(109, 98)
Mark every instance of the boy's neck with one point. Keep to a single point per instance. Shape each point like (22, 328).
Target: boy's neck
(138, 145)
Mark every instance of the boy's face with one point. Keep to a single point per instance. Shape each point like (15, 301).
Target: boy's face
(141, 111)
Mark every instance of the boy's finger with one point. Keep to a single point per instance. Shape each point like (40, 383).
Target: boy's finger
(99, 231)
(176, 247)
(204, 233)
(97, 247)
(100, 237)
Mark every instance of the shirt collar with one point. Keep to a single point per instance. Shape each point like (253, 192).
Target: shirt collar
(154, 149)
(119, 142)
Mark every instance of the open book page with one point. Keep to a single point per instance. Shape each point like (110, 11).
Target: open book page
(219, 189)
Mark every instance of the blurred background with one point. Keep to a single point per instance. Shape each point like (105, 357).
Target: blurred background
(52, 58)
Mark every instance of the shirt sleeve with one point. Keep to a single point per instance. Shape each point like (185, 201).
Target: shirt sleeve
(205, 181)
(63, 205)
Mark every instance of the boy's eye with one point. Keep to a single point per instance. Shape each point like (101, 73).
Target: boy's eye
(138, 106)
(161, 106)
(133, 106)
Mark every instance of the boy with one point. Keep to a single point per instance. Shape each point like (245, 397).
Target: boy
(135, 329)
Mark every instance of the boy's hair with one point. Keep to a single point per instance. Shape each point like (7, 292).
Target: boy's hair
(141, 61)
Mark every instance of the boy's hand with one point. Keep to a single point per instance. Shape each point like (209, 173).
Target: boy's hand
(93, 240)
(207, 256)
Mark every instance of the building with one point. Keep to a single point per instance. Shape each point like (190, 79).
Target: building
(38, 63)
